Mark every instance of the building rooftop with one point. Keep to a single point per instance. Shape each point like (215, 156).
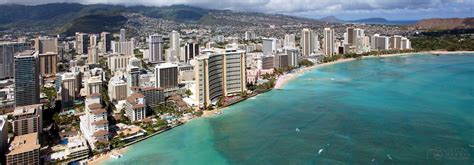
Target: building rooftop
(133, 97)
(166, 65)
(24, 143)
(68, 75)
(26, 110)
(26, 53)
(101, 133)
(95, 106)
(100, 122)
(94, 79)
(98, 111)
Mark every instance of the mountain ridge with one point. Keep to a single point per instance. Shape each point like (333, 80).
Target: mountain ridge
(374, 20)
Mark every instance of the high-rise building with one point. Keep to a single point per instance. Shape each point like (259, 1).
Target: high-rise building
(153, 95)
(47, 48)
(350, 35)
(405, 44)
(293, 55)
(93, 123)
(380, 42)
(117, 89)
(28, 119)
(268, 62)
(289, 41)
(135, 107)
(93, 55)
(133, 78)
(395, 42)
(250, 35)
(25, 149)
(93, 85)
(191, 50)
(123, 47)
(48, 63)
(308, 42)
(174, 41)
(218, 73)
(155, 46)
(118, 62)
(281, 60)
(93, 40)
(122, 37)
(27, 89)
(166, 75)
(70, 87)
(82, 43)
(328, 42)
(269, 46)
(46, 45)
(106, 39)
(3, 137)
(7, 53)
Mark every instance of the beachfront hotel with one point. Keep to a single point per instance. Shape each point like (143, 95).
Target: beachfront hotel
(135, 107)
(94, 124)
(329, 42)
(219, 72)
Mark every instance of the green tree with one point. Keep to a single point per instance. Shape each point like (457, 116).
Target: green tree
(305, 63)
(188, 92)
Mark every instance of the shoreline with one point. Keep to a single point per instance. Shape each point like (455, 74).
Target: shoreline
(283, 80)
(99, 159)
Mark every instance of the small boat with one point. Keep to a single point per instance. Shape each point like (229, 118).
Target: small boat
(320, 151)
(297, 130)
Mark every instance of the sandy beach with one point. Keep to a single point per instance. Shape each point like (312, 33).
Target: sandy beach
(284, 79)
(212, 112)
(99, 159)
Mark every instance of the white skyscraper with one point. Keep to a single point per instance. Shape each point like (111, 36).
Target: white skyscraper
(289, 41)
(155, 44)
(93, 55)
(122, 35)
(174, 47)
(93, 40)
(328, 42)
(269, 46)
(174, 40)
(308, 42)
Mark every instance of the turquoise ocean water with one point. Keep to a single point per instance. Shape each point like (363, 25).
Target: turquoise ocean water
(416, 109)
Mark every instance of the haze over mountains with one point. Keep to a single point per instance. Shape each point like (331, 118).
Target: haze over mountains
(71, 17)
(369, 21)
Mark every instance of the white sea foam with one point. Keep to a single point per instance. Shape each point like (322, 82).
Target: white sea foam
(320, 151)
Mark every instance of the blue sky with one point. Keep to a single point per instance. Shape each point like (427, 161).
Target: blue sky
(343, 9)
